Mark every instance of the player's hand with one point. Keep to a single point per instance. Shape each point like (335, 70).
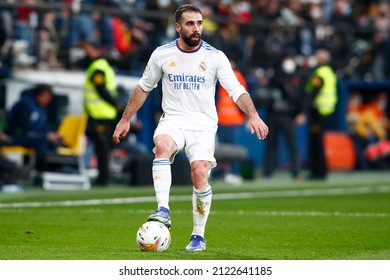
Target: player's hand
(121, 130)
(257, 126)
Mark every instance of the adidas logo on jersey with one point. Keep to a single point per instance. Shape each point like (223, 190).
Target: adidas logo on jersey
(172, 64)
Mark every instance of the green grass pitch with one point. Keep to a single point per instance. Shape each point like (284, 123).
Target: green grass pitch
(345, 218)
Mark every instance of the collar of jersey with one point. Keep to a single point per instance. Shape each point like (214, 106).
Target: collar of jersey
(177, 44)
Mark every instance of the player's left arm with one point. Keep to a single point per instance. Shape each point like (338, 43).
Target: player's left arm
(256, 124)
(240, 96)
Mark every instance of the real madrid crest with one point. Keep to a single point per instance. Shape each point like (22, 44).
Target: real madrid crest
(202, 66)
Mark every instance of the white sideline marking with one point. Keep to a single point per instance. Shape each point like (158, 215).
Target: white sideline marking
(223, 196)
(281, 213)
(314, 214)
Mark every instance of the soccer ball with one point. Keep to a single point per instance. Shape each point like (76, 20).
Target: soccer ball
(153, 236)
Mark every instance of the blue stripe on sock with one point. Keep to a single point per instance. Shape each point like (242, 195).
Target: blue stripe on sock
(205, 193)
(161, 162)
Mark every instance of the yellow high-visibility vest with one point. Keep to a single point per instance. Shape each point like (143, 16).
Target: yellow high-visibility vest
(326, 99)
(94, 105)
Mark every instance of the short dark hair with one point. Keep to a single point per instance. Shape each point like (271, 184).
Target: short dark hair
(186, 8)
(40, 88)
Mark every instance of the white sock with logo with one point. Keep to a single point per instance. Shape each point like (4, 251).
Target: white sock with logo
(201, 204)
(162, 180)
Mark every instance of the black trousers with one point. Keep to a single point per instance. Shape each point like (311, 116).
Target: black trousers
(316, 155)
(280, 125)
(100, 133)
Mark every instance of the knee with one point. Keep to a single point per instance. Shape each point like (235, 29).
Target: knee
(164, 149)
(199, 171)
(199, 174)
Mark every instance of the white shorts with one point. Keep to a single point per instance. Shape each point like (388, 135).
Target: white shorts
(197, 144)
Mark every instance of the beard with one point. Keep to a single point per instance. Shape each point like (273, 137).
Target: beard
(192, 41)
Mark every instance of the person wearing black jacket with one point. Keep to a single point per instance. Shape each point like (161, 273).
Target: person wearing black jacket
(284, 112)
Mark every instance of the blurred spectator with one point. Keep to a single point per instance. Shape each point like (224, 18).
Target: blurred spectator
(149, 31)
(381, 41)
(257, 32)
(26, 23)
(210, 26)
(355, 123)
(92, 26)
(128, 41)
(155, 27)
(284, 111)
(376, 111)
(272, 10)
(63, 23)
(102, 30)
(232, 43)
(263, 27)
(101, 107)
(5, 27)
(343, 26)
(231, 121)
(321, 91)
(82, 28)
(268, 39)
(369, 127)
(290, 13)
(123, 37)
(27, 123)
(241, 11)
(320, 31)
(284, 107)
(48, 42)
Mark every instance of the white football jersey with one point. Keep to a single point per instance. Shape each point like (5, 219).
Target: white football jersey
(189, 83)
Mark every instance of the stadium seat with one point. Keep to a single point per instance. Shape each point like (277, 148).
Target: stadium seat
(19, 154)
(339, 151)
(72, 130)
(65, 168)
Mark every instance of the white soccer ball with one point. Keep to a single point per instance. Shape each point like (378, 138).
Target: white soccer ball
(153, 236)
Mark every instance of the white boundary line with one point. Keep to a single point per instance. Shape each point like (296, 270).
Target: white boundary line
(281, 213)
(223, 196)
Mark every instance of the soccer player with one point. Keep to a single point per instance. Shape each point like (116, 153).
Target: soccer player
(189, 68)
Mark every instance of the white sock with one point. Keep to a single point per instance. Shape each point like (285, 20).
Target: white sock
(201, 204)
(162, 179)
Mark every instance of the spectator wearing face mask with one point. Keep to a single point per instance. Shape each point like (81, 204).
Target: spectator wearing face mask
(284, 112)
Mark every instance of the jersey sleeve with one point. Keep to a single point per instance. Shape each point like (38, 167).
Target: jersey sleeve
(152, 73)
(228, 79)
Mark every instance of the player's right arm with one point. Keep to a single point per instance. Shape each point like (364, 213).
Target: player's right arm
(136, 100)
(148, 81)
